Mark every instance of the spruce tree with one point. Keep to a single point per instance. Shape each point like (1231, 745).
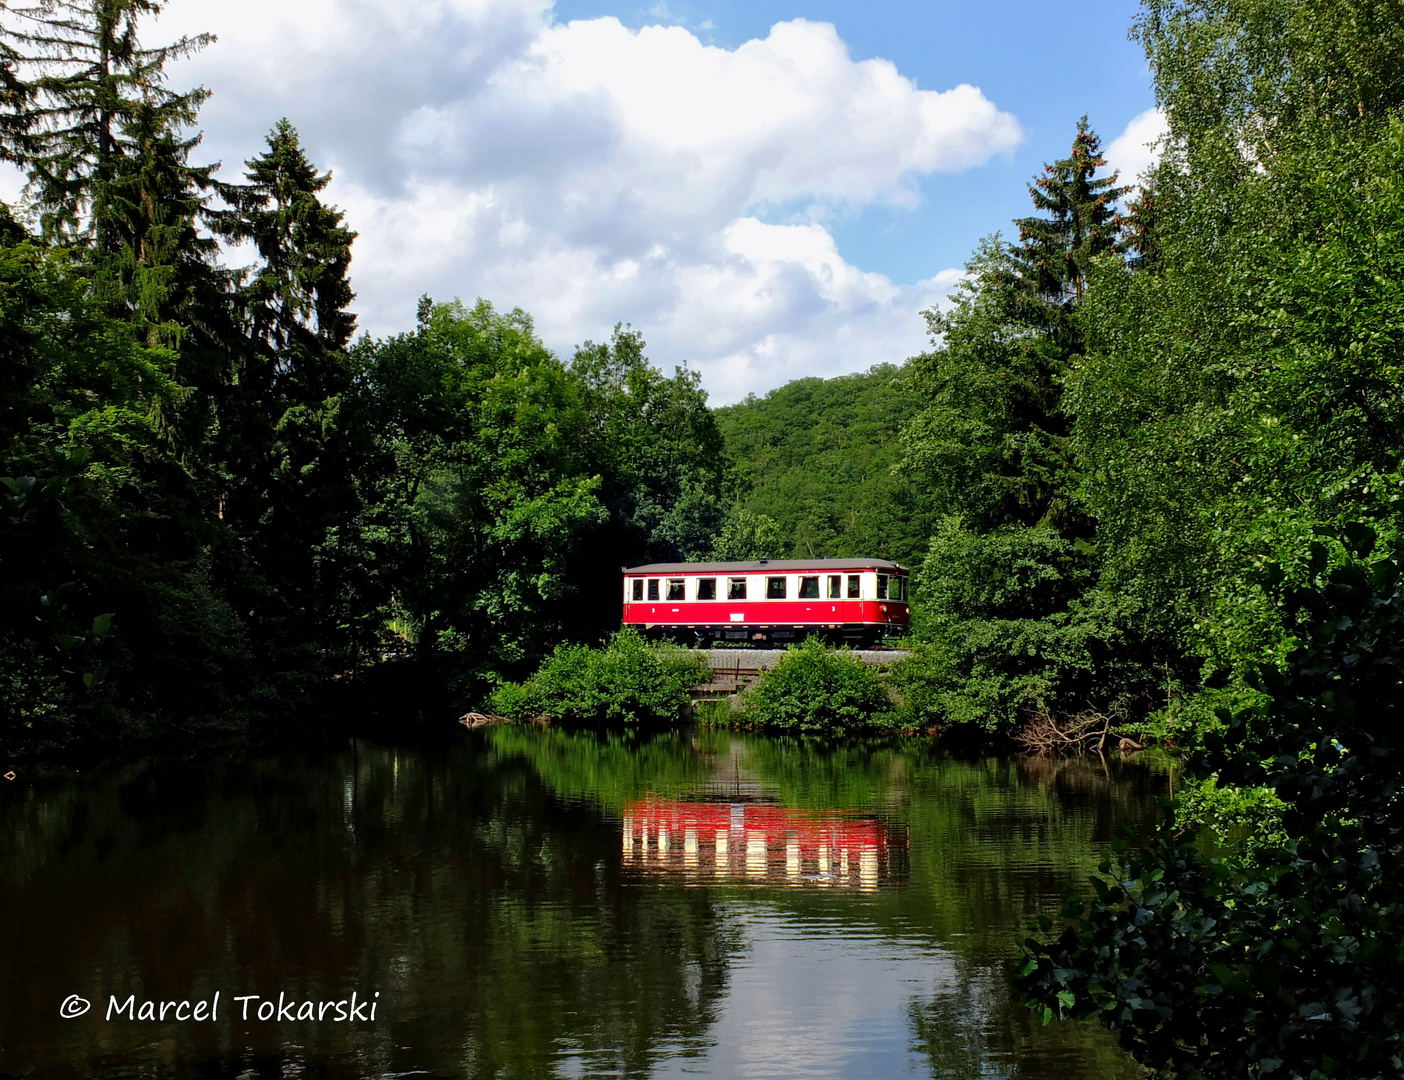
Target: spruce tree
(288, 459)
(82, 80)
(297, 298)
(1141, 245)
(1081, 223)
(154, 206)
(1010, 585)
(1041, 282)
(16, 100)
(106, 146)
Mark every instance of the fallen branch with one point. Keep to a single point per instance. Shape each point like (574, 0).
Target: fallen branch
(475, 720)
(1075, 733)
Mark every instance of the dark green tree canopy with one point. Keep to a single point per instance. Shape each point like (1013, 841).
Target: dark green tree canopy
(992, 438)
(811, 471)
(1009, 592)
(656, 447)
(161, 265)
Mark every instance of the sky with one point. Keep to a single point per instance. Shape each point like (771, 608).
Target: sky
(766, 190)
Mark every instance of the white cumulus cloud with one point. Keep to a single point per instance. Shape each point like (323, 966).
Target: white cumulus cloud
(1135, 150)
(591, 173)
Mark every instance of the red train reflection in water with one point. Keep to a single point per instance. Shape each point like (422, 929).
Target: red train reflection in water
(756, 842)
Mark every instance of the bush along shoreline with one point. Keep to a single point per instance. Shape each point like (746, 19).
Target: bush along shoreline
(818, 690)
(626, 680)
(815, 690)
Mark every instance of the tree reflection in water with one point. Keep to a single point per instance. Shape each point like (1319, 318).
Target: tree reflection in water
(484, 889)
(492, 917)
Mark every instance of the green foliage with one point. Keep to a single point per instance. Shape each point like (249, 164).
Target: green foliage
(289, 457)
(1013, 626)
(627, 680)
(260, 505)
(656, 447)
(714, 713)
(122, 333)
(814, 461)
(505, 488)
(1006, 574)
(95, 515)
(986, 438)
(520, 701)
(298, 294)
(256, 505)
(747, 536)
(479, 490)
(992, 430)
(1284, 961)
(1237, 405)
(1234, 818)
(816, 690)
(84, 90)
(1245, 389)
(1081, 223)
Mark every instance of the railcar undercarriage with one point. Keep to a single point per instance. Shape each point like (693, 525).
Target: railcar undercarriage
(862, 636)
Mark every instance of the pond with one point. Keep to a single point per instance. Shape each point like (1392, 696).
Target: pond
(520, 902)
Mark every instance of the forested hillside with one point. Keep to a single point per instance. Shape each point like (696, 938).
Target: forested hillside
(817, 458)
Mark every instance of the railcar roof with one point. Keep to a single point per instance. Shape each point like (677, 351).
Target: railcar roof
(761, 566)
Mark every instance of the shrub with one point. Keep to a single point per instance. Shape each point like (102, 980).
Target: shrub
(627, 680)
(1014, 627)
(517, 700)
(817, 690)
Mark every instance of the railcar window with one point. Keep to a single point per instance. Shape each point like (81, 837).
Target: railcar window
(835, 586)
(677, 590)
(706, 588)
(736, 588)
(809, 588)
(653, 588)
(775, 588)
(638, 588)
(854, 591)
(901, 584)
(882, 587)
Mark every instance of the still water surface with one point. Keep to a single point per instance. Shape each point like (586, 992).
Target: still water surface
(540, 903)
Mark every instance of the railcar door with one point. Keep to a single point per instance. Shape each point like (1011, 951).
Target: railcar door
(833, 599)
(853, 598)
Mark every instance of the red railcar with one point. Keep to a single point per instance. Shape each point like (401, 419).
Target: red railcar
(855, 601)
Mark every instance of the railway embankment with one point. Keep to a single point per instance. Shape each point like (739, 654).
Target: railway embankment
(735, 669)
